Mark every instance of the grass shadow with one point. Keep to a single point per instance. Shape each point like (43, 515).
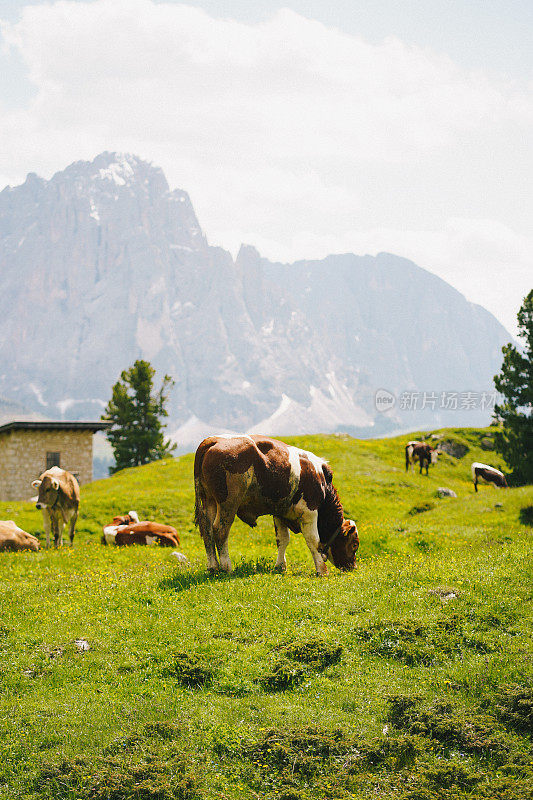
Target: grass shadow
(245, 568)
(526, 515)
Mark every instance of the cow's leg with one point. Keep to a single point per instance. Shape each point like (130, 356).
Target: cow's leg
(221, 529)
(72, 529)
(57, 530)
(312, 540)
(205, 523)
(46, 526)
(282, 540)
(475, 484)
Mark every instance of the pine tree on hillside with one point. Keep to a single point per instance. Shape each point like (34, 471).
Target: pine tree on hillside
(136, 433)
(515, 382)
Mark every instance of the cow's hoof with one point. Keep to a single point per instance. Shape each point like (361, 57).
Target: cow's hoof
(213, 570)
(280, 568)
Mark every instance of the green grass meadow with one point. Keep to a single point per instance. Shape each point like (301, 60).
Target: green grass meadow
(411, 677)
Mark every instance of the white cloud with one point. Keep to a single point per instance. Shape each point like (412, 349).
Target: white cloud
(287, 133)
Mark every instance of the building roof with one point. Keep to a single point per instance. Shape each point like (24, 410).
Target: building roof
(50, 425)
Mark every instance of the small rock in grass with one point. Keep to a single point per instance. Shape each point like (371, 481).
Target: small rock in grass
(181, 558)
(82, 645)
(445, 593)
(442, 491)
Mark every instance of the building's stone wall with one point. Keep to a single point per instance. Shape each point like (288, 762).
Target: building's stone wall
(23, 458)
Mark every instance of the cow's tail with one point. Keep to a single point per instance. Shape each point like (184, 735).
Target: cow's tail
(198, 506)
(199, 492)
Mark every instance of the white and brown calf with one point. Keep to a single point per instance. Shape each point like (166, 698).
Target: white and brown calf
(59, 500)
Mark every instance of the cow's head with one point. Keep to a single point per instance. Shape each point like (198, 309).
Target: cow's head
(343, 548)
(435, 455)
(48, 491)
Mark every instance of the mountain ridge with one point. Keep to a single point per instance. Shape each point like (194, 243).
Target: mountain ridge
(104, 263)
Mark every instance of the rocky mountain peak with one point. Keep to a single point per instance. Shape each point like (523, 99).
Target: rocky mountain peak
(103, 264)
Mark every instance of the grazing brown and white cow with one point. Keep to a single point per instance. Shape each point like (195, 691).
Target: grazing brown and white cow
(250, 476)
(421, 452)
(485, 474)
(59, 500)
(14, 538)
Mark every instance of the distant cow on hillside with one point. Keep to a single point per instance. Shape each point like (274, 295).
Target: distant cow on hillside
(250, 476)
(421, 452)
(482, 473)
(14, 538)
(59, 500)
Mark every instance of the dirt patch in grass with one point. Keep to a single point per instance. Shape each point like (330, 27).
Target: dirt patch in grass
(132, 776)
(302, 752)
(190, 670)
(149, 764)
(388, 753)
(451, 775)
(449, 725)
(420, 508)
(446, 593)
(296, 661)
(432, 752)
(283, 676)
(514, 706)
(317, 654)
(413, 643)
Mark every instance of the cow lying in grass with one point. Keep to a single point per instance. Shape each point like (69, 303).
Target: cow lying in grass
(128, 530)
(147, 533)
(250, 476)
(14, 538)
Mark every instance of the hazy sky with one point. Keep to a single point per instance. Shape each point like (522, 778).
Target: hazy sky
(302, 127)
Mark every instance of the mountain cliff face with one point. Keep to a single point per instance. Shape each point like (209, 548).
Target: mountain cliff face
(103, 264)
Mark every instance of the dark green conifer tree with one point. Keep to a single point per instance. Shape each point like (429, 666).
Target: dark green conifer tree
(136, 434)
(514, 440)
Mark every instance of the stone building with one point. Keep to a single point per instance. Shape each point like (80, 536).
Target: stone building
(29, 448)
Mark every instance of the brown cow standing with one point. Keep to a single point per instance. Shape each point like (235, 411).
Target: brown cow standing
(14, 538)
(421, 452)
(59, 500)
(250, 476)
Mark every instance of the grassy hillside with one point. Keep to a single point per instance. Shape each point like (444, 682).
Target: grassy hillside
(410, 678)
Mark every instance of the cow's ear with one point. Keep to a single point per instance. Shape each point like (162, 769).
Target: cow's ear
(36, 484)
(55, 484)
(348, 527)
